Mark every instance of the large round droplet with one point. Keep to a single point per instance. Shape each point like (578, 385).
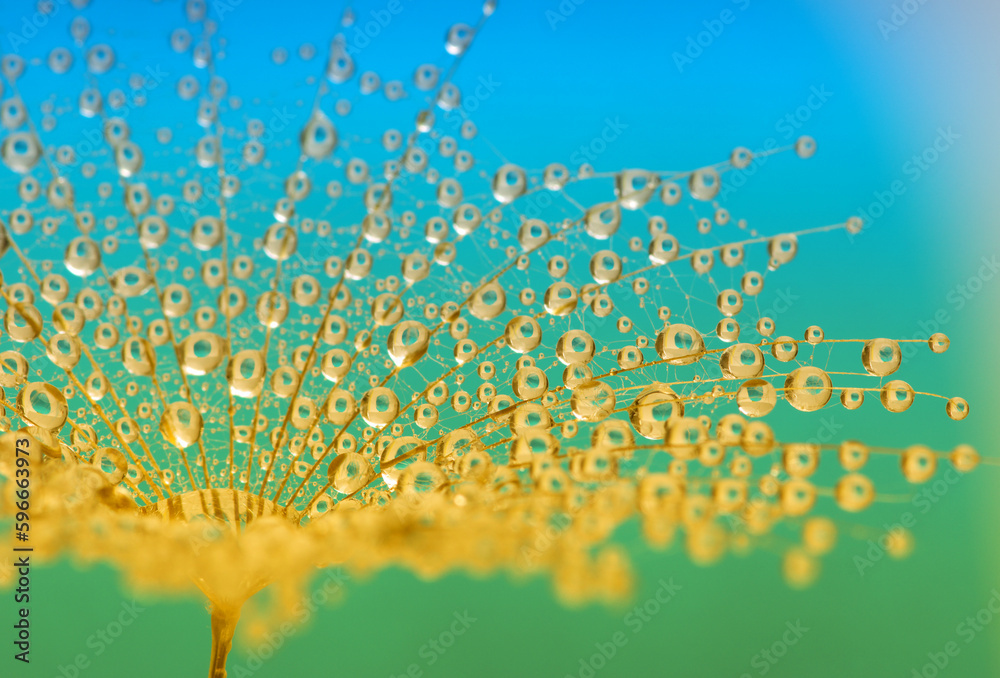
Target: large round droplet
(957, 408)
(458, 39)
(881, 357)
(181, 424)
(509, 183)
(138, 356)
(319, 136)
(201, 352)
(593, 402)
(43, 405)
(379, 406)
(704, 184)
(111, 463)
(653, 409)
(634, 188)
(349, 472)
(742, 361)
(854, 492)
(919, 464)
(20, 152)
(488, 301)
(280, 241)
(756, 397)
(680, 344)
(897, 395)
(808, 388)
(407, 342)
(602, 220)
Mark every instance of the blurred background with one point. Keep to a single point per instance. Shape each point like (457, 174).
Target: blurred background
(902, 99)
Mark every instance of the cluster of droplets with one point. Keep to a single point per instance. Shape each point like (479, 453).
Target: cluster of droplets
(421, 363)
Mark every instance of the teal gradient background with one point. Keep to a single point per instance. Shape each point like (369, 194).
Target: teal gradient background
(891, 91)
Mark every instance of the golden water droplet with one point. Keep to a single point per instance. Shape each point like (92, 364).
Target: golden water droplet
(852, 398)
(408, 342)
(111, 463)
(680, 344)
(819, 535)
(509, 183)
(653, 408)
(919, 464)
(742, 361)
(43, 405)
(22, 322)
(881, 357)
(379, 406)
(458, 39)
(783, 248)
(808, 388)
(181, 424)
(593, 402)
(756, 397)
(854, 492)
(64, 350)
(757, 438)
(634, 188)
(703, 184)
(800, 568)
(964, 458)
(202, 352)
(349, 472)
(805, 147)
(897, 395)
(319, 136)
(800, 460)
(957, 408)
(602, 221)
(939, 342)
(138, 356)
(20, 151)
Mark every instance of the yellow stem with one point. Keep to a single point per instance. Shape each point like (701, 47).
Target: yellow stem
(224, 620)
